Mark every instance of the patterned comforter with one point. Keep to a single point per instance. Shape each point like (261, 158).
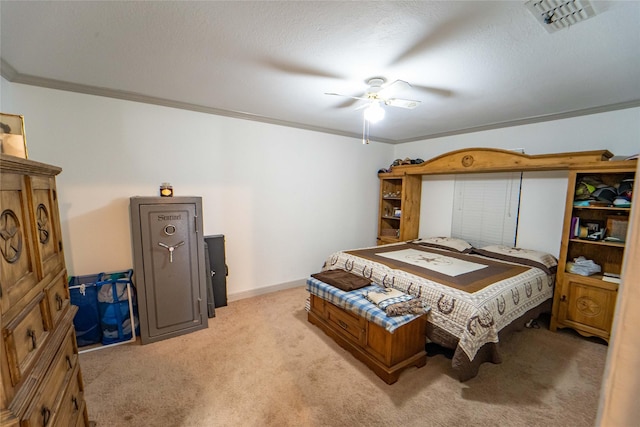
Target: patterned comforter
(472, 297)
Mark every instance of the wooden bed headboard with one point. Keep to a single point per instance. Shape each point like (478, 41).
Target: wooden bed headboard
(477, 160)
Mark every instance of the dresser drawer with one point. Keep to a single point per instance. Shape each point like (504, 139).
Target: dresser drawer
(57, 294)
(68, 351)
(72, 405)
(44, 409)
(24, 336)
(351, 325)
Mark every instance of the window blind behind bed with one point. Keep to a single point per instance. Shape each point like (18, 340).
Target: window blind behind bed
(485, 208)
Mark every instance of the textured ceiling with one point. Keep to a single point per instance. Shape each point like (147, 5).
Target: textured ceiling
(474, 65)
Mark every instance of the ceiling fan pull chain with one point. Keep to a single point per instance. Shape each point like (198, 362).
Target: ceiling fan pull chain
(365, 130)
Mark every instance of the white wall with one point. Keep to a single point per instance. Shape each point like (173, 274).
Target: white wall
(284, 198)
(543, 193)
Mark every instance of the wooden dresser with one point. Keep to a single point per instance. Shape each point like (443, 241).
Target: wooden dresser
(40, 374)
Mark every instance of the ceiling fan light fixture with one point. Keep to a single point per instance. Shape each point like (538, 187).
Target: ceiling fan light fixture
(374, 112)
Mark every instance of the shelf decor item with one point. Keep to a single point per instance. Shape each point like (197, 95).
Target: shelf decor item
(13, 141)
(617, 228)
(166, 190)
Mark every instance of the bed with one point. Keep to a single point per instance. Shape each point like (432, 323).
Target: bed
(470, 317)
(475, 295)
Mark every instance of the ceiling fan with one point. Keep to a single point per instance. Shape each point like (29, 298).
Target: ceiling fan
(379, 94)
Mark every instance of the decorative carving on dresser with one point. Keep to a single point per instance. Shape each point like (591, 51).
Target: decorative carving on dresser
(43, 224)
(588, 306)
(11, 236)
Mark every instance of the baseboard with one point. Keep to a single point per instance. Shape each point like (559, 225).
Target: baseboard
(266, 290)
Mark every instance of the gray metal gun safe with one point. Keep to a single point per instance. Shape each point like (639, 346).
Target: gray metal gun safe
(169, 266)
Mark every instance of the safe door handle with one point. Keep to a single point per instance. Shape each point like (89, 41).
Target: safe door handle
(171, 248)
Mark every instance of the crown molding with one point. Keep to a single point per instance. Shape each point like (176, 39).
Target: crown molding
(528, 121)
(7, 71)
(10, 74)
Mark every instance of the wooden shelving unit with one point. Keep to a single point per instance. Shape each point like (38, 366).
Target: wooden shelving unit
(399, 210)
(587, 303)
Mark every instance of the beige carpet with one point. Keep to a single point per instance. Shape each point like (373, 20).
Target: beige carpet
(260, 363)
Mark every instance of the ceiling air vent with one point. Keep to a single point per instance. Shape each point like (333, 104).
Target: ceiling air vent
(555, 15)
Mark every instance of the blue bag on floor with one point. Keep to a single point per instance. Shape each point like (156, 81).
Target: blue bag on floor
(83, 292)
(113, 303)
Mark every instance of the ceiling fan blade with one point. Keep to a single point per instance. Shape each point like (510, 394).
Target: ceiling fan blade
(344, 96)
(434, 90)
(402, 103)
(394, 87)
(292, 68)
(439, 34)
(348, 102)
(365, 105)
(400, 85)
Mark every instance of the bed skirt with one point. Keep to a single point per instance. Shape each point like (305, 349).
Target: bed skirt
(467, 369)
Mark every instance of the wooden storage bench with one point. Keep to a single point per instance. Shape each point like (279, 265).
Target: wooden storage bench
(386, 353)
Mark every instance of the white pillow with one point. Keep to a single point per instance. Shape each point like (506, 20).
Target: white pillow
(448, 243)
(541, 260)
